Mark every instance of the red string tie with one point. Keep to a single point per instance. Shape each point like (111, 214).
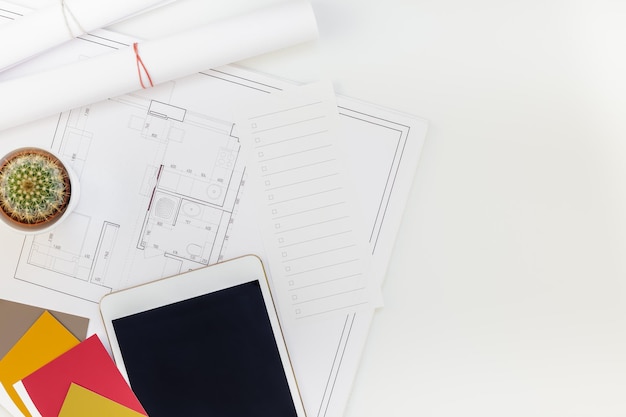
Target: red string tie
(141, 66)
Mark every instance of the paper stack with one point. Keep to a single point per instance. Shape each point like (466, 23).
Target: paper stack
(155, 62)
(179, 196)
(49, 371)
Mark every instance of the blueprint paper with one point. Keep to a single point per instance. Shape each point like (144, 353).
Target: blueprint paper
(324, 353)
(311, 228)
(119, 72)
(399, 140)
(52, 25)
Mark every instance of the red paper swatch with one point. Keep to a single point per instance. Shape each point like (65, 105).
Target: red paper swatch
(89, 365)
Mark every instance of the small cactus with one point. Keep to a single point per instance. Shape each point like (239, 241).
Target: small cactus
(34, 186)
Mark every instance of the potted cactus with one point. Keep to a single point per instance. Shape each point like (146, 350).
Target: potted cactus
(36, 189)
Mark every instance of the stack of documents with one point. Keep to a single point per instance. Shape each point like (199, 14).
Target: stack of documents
(215, 165)
(60, 22)
(122, 70)
(49, 371)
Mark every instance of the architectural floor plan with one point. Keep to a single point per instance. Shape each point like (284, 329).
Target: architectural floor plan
(159, 184)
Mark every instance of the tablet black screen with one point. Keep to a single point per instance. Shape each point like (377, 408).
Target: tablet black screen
(212, 355)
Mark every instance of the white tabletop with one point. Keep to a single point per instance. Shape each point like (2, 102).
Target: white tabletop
(505, 295)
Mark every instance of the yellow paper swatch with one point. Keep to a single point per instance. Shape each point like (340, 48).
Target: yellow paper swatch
(81, 402)
(46, 339)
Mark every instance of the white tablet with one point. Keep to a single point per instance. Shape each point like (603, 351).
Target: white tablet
(204, 343)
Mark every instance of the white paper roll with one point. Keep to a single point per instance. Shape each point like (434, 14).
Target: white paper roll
(53, 25)
(43, 94)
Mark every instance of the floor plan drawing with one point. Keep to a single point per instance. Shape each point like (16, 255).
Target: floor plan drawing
(176, 176)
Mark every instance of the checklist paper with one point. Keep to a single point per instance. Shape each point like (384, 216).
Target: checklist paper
(308, 217)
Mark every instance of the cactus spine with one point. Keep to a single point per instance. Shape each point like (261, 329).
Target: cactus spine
(34, 186)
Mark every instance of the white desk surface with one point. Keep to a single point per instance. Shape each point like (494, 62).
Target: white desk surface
(505, 296)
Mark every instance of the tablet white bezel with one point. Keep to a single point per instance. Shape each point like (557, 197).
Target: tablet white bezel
(189, 285)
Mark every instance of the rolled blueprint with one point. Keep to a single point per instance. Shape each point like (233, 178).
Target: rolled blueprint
(153, 62)
(55, 24)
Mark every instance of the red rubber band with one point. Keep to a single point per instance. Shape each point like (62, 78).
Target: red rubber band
(141, 65)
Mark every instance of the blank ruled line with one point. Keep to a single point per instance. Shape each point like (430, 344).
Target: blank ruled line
(331, 310)
(325, 297)
(294, 153)
(302, 242)
(319, 253)
(299, 167)
(291, 184)
(269, 129)
(278, 142)
(324, 267)
(311, 225)
(325, 282)
(286, 110)
(307, 211)
(305, 196)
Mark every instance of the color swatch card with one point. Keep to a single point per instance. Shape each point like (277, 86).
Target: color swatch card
(45, 340)
(17, 318)
(89, 365)
(80, 402)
